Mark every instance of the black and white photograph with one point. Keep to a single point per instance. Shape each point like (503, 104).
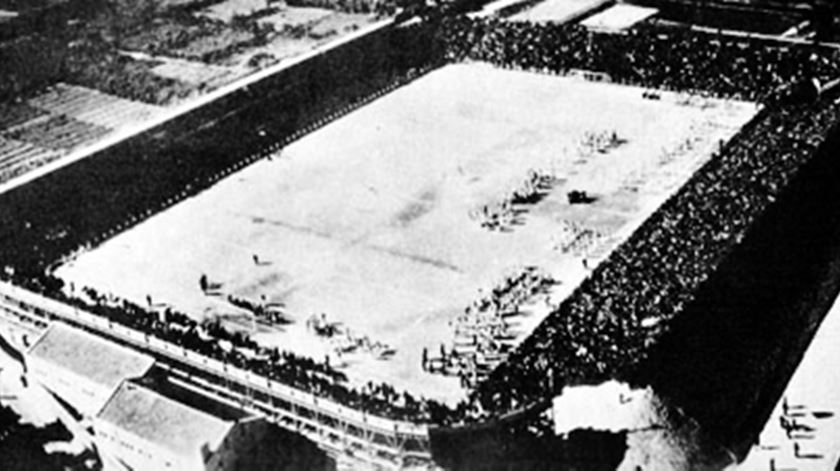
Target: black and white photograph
(425, 235)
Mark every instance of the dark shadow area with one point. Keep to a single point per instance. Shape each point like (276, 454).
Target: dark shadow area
(729, 356)
(765, 20)
(525, 441)
(22, 446)
(10, 350)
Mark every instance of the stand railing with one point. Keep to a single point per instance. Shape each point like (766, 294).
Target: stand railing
(384, 442)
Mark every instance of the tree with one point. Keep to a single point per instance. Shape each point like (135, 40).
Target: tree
(122, 17)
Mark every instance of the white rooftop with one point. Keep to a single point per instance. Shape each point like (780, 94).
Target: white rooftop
(163, 420)
(89, 355)
(619, 17)
(553, 11)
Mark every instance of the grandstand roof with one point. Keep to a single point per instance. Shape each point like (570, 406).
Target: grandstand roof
(90, 356)
(619, 17)
(162, 385)
(159, 419)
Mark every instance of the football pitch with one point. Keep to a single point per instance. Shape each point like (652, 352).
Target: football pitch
(375, 220)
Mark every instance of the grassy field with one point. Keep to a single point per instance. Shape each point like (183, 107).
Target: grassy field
(370, 220)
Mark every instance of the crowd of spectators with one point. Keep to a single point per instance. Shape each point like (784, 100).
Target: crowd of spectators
(678, 60)
(610, 320)
(237, 349)
(483, 335)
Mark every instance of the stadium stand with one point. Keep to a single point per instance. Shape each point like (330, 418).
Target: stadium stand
(608, 323)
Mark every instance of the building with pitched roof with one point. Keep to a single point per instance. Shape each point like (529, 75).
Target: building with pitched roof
(81, 368)
(157, 425)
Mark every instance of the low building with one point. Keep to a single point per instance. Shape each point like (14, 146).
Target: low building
(156, 425)
(81, 368)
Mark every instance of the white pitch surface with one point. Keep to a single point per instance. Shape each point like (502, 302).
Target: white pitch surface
(367, 219)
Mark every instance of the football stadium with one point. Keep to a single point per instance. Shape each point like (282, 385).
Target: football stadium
(438, 238)
(386, 225)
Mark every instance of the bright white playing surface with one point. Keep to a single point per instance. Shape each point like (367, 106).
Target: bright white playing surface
(367, 219)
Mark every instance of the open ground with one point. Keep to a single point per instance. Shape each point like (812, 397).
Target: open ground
(371, 220)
